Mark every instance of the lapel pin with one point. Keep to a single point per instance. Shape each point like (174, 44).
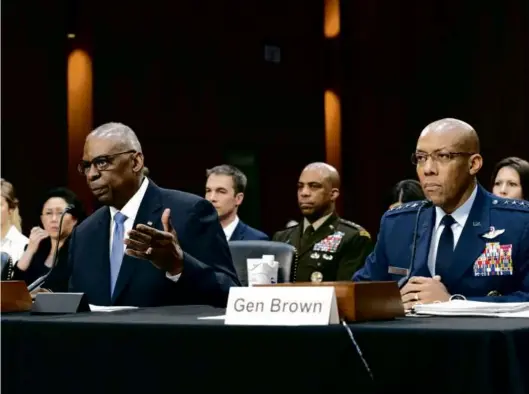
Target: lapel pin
(149, 223)
(476, 224)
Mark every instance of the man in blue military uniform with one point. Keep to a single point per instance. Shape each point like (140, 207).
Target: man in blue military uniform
(461, 241)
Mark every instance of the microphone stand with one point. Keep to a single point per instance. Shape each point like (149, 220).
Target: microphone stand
(38, 283)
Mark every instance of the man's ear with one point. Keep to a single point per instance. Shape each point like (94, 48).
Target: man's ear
(475, 164)
(335, 193)
(239, 197)
(138, 162)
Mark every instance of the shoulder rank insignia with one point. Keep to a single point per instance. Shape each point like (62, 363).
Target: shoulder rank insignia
(362, 231)
(493, 233)
(505, 203)
(351, 224)
(407, 207)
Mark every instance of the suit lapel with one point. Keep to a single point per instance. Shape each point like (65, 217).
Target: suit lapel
(424, 237)
(102, 237)
(150, 211)
(238, 233)
(327, 228)
(471, 243)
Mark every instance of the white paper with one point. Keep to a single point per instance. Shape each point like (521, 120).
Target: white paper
(262, 271)
(97, 308)
(474, 308)
(221, 317)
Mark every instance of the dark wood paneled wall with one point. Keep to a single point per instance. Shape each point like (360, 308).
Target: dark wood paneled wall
(191, 79)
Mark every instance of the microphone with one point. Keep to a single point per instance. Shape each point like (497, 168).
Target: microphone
(38, 283)
(404, 280)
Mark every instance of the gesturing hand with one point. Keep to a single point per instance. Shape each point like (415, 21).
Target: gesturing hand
(35, 237)
(161, 248)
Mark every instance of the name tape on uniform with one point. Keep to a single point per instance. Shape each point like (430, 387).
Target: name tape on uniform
(282, 306)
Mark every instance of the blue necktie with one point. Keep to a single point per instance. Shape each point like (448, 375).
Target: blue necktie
(116, 254)
(445, 248)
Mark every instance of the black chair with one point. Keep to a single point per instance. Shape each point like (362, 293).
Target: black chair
(285, 255)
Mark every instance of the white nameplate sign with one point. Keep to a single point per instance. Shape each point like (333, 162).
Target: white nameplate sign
(282, 306)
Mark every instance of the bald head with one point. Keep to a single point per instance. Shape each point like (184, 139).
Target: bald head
(318, 189)
(457, 132)
(328, 172)
(119, 134)
(447, 160)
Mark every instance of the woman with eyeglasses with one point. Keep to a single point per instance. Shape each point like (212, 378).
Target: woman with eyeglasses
(38, 258)
(510, 178)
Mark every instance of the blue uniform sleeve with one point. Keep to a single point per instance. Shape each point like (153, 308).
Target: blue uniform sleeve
(376, 265)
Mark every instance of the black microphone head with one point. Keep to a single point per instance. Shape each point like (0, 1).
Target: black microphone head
(427, 203)
(69, 208)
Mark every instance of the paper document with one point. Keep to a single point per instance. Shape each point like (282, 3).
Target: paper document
(474, 308)
(97, 308)
(221, 317)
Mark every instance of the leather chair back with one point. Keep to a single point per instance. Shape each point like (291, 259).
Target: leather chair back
(285, 255)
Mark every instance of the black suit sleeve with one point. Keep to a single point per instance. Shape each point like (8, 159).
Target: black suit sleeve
(70, 262)
(208, 267)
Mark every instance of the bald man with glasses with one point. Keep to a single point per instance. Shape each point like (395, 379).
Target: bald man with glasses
(462, 242)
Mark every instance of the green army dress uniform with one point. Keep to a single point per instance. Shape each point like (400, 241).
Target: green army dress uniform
(333, 252)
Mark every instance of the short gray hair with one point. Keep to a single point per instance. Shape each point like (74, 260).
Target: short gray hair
(239, 179)
(118, 131)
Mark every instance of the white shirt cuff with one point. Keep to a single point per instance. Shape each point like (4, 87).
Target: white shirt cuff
(173, 278)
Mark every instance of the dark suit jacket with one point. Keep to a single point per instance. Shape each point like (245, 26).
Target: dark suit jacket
(394, 245)
(208, 269)
(57, 281)
(243, 232)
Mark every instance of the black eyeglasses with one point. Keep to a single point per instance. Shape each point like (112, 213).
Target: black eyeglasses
(420, 158)
(101, 163)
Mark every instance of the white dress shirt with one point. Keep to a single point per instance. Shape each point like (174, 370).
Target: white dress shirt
(230, 228)
(14, 244)
(130, 210)
(460, 216)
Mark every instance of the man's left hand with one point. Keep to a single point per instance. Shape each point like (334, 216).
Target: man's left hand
(421, 290)
(161, 248)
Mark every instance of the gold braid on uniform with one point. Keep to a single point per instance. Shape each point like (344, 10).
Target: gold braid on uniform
(295, 269)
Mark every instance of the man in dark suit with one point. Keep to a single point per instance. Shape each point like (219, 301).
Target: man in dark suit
(329, 247)
(462, 242)
(146, 246)
(225, 186)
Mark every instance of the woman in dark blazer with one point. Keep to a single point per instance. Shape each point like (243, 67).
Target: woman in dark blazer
(44, 241)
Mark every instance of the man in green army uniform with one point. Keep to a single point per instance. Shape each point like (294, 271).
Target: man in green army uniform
(329, 247)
